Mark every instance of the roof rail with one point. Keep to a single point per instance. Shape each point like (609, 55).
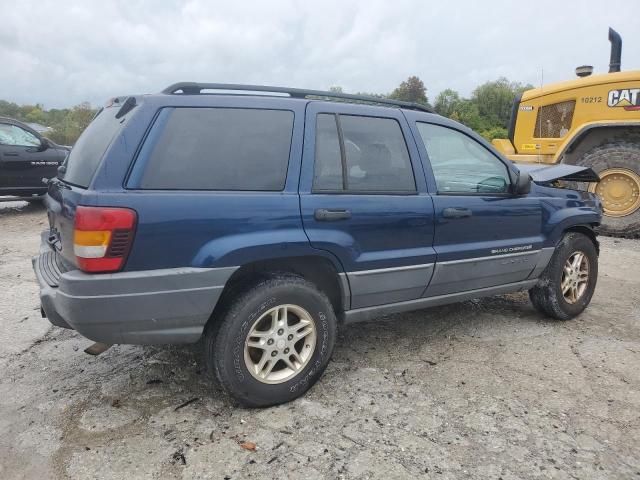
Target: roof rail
(195, 88)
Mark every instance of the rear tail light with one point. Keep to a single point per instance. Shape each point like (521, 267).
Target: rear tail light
(102, 237)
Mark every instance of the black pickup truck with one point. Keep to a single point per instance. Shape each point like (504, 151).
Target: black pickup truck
(26, 157)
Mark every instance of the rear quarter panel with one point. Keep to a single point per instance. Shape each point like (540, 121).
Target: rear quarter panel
(203, 228)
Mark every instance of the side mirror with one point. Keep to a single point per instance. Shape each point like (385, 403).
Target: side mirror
(44, 144)
(493, 185)
(523, 184)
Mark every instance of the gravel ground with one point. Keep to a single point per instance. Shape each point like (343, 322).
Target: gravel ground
(481, 389)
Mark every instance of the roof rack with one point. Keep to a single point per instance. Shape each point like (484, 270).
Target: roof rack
(195, 88)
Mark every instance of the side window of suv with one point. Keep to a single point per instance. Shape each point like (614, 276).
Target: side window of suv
(460, 164)
(217, 149)
(327, 175)
(361, 154)
(16, 136)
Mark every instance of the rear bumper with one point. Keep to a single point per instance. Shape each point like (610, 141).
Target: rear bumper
(146, 307)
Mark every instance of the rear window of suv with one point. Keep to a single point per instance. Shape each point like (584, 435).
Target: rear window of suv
(87, 152)
(216, 149)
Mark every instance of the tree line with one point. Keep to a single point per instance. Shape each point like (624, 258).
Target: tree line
(66, 123)
(487, 110)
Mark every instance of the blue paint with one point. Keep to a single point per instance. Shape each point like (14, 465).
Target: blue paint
(217, 229)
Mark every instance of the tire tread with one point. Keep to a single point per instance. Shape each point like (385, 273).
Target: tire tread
(545, 294)
(220, 329)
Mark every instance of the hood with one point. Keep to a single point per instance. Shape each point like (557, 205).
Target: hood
(568, 173)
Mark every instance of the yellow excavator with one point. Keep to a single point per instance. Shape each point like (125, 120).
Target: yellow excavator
(592, 121)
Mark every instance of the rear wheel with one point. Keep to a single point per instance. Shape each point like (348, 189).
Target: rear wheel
(566, 286)
(618, 165)
(272, 342)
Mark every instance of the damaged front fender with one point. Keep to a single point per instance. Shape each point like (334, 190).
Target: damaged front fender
(567, 173)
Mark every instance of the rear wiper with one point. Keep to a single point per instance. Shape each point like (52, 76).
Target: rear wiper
(56, 182)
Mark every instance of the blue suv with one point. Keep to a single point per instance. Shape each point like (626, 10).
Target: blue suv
(262, 218)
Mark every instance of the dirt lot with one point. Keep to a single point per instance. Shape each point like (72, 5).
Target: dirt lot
(481, 389)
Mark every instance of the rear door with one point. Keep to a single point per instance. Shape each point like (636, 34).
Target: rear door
(484, 236)
(364, 199)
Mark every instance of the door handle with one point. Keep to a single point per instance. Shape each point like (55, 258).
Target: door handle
(11, 154)
(456, 212)
(331, 214)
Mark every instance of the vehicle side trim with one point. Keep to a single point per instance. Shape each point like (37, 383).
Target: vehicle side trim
(391, 269)
(543, 260)
(489, 257)
(346, 291)
(388, 285)
(370, 313)
(79, 284)
(481, 272)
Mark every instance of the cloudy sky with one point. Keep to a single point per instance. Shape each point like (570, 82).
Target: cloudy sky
(60, 53)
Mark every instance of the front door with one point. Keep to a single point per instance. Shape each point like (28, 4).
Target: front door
(23, 162)
(363, 198)
(484, 236)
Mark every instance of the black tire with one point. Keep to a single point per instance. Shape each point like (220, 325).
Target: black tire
(547, 295)
(225, 339)
(622, 154)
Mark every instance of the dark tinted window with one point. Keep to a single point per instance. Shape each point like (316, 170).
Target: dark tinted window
(328, 164)
(87, 152)
(221, 149)
(375, 155)
(460, 164)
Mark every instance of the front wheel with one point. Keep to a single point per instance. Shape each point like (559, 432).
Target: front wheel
(272, 342)
(566, 286)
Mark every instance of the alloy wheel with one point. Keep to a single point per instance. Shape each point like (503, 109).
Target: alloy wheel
(280, 344)
(575, 277)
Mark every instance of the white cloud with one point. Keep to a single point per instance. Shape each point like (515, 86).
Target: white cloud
(61, 53)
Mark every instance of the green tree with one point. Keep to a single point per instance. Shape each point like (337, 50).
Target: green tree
(411, 90)
(494, 132)
(68, 129)
(36, 114)
(494, 100)
(66, 124)
(446, 102)
(82, 114)
(466, 112)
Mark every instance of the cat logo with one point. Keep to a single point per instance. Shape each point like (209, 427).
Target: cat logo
(627, 98)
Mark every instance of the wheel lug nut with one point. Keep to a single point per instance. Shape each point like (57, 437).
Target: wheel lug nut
(270, 341)
(280, 332)
(286, 350)
(290, 337)
(274, 353)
